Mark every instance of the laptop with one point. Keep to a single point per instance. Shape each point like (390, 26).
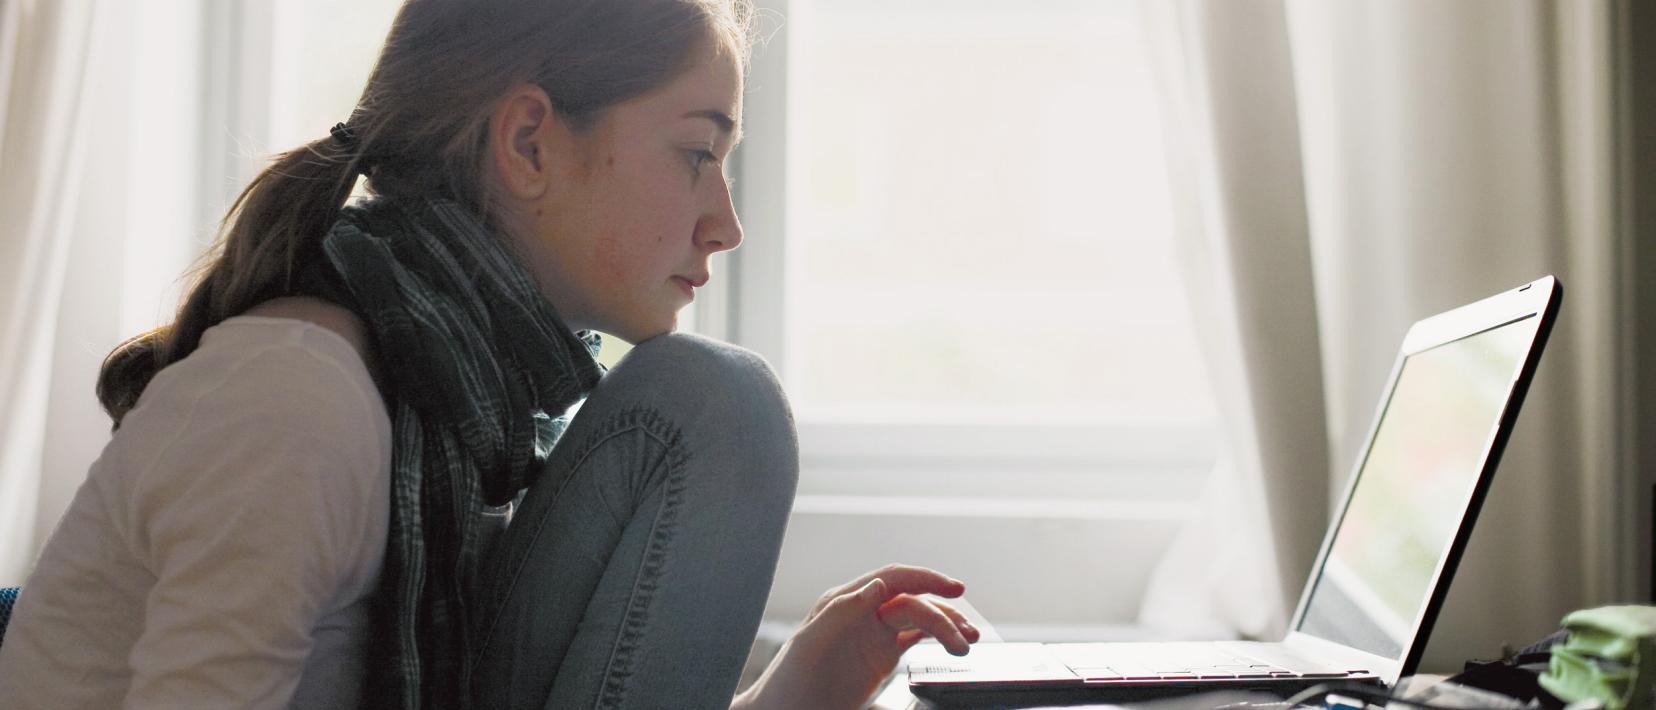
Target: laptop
(1385, 563)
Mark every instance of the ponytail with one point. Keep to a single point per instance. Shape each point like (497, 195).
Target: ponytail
(270, 234)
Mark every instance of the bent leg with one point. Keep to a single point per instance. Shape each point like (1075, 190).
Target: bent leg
(635, 571)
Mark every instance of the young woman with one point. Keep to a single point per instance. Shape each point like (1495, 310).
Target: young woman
(333, 481)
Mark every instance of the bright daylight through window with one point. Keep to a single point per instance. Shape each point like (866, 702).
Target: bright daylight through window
(977, 219)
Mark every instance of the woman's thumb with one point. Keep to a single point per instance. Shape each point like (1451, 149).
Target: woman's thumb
(873, 593)
(848, 607)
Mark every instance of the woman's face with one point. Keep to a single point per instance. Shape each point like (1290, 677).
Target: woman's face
(633, 207)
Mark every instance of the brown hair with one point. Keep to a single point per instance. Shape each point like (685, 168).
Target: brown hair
(422, 130)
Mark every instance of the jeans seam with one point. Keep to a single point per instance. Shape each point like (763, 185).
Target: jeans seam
(619, 669)
(637, 418)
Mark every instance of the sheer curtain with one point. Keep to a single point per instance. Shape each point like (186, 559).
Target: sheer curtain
(1453, 150)
(1229, 108)
(99, 178)
(1385, 160)
(47, 91)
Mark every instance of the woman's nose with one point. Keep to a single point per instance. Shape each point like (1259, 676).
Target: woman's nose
(719, 229)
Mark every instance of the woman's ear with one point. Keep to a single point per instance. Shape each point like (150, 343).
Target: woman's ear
(522, 134)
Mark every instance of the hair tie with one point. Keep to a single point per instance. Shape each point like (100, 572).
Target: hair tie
(343, 134)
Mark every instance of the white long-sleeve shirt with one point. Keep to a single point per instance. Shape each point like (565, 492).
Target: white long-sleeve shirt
(223, 548)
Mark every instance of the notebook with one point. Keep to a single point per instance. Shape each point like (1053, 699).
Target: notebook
(1385, 563)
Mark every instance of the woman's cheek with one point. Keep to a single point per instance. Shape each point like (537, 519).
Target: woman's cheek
(608, 255)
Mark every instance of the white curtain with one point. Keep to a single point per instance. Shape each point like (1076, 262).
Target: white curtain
(1446, 151)
(1453, 150)
(47, 90)
(1229, 113)
(99, 185)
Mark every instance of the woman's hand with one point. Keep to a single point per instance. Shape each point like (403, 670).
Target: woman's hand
(855, 634)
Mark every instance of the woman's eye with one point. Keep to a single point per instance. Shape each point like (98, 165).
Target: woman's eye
(700, 158)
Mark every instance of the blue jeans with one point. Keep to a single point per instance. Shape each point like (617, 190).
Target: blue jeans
(635, 570)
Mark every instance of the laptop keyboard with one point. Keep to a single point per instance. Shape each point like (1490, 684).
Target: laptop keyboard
(1186, 662)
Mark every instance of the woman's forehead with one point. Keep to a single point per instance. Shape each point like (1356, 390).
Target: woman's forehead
(711, 84)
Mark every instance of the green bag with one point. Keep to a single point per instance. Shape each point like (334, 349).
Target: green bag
(1610, 656)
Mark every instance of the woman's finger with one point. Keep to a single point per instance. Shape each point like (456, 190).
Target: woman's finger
(896, 579)
(910, 612)
(909, 579)
(907, 638)
(961, 622)
(857, 604)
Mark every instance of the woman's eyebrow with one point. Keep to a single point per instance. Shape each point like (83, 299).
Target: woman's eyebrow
(724, 122)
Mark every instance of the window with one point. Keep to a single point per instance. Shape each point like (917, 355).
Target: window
(960, 256)
(972, 228)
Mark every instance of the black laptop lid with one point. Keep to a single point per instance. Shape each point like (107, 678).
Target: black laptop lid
(1453, 397)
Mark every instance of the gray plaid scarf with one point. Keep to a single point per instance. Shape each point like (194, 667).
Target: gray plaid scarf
(474, 365)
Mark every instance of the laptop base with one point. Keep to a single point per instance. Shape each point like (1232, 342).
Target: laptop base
(1014, 674)
(1035, 696)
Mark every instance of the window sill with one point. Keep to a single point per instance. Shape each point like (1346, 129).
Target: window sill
(1024, 560)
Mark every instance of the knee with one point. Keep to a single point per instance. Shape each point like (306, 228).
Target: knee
(697, 381)
(723, 404)
(711, 370)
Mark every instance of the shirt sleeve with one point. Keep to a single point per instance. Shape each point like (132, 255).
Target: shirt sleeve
(256, 519)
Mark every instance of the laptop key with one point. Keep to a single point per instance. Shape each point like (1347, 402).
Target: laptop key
(1098, 673)
(926, 670)
(1135, 672)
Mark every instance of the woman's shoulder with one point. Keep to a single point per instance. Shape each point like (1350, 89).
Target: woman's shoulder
(275, 405)
(334, 318)
(288, 363)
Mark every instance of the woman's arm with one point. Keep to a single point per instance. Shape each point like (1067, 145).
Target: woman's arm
(266, 513)
(854, 636)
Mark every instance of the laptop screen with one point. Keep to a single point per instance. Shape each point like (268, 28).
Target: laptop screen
(1413, 489)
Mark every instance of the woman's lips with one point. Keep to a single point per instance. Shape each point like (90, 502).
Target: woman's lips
(686, 286)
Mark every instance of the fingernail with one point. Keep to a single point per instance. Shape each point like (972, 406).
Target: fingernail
(875, 588)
